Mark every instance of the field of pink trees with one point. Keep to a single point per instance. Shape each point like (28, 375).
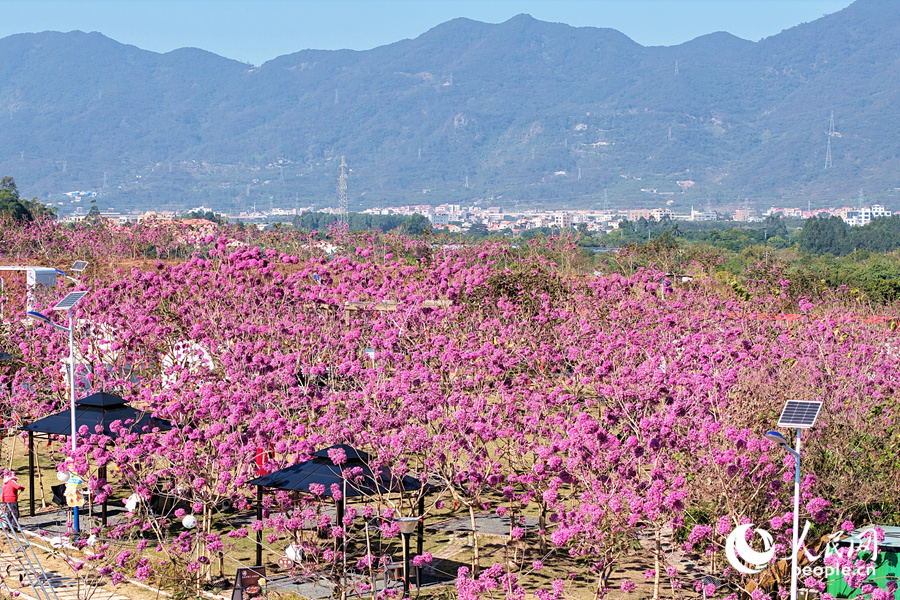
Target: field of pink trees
(618, 411)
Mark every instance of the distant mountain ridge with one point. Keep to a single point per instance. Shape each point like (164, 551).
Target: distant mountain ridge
(523, 113)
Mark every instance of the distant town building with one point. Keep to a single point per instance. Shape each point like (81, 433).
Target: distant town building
(698, 215)
(742, 214)
(863, 216)
(562, 220)
(638, 214)
(439, 219)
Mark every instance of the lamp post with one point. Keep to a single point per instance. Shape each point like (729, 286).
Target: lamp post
(795, 452)
(408, 526)
(799, 415)
(67, 304)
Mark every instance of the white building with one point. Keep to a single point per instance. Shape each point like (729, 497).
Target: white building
(439, 219)
(562, 220)
(698, 215)
(864, 215)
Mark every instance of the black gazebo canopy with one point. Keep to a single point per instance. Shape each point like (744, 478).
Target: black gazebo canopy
(321, 470)
(98, 409)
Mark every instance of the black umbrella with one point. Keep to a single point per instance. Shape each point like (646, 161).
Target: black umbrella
(321, 470)
(99, 409)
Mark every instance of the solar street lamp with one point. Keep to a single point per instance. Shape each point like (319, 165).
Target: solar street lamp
(67, 304)
(799, 415)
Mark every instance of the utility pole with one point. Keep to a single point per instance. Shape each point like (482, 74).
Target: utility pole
(831, 134)
(342, 192)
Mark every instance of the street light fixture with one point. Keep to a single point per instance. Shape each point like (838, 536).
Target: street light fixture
(408, 526)
(799, 415)
(67, 304)
(774, 436)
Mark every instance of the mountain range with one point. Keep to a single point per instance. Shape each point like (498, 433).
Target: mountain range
(518, 114)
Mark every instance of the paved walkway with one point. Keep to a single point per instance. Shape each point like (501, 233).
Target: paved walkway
(51, 523)
(487, 523)
(13, 579)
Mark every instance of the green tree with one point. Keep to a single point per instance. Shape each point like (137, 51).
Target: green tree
(208, 215)
(478, 230)
(94, 213)
(774, 225)
(38, 209)
(825, 235)
(10, 203)
(416, 224)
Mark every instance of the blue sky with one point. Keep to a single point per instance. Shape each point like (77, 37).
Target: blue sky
(259, 30)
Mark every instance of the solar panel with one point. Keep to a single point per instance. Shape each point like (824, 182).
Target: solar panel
(70, 300)
(79, 266)
(799, 414)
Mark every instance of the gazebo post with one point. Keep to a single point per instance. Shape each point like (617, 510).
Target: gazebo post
(31, 493)
(259, 498)
(421, 526)
(340, 512)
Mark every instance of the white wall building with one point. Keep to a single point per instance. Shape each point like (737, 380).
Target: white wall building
(439, 219)
(562, 220)
(864, 215)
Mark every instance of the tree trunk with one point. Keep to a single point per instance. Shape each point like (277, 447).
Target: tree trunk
(656, 562)
(201, 547)
(369, 554)
(475, 565)
(542, 526)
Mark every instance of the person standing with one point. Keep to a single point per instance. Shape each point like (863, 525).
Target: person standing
(10, 496)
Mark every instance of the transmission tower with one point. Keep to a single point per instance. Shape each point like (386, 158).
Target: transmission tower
(828, 162)
(342, 192)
